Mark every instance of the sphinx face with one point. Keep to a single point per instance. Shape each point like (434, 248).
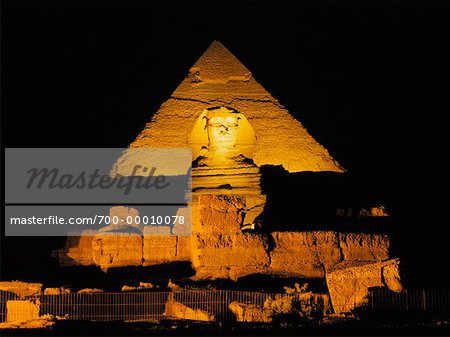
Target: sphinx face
(222, 130)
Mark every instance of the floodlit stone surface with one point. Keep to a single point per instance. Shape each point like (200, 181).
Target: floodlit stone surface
(310, 254)
(22, 310)
(304, 254)
(117, 250)
(219, 249)
(391, 276)
(230, 255)
(22, 289)
(219, 79)
(364, 247)
(349, 287)
(111, 251)
(177, 310)
(164, 247)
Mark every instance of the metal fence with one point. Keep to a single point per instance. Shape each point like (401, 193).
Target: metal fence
(150, 306)
(144, 306)
(138, 306)
(415, 300)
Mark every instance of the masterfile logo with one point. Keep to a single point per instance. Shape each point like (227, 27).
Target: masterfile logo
(53, 192)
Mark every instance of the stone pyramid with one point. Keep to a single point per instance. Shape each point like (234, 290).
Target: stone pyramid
(218, 79)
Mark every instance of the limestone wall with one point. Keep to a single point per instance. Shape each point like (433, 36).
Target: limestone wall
(218, 248)
(113, 251)
(311, 254)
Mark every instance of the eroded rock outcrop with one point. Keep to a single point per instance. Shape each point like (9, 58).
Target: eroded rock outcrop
(349, 287)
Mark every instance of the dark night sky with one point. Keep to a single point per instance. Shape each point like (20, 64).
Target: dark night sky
(365, 79)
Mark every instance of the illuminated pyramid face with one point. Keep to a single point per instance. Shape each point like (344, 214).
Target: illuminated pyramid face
(219, 108)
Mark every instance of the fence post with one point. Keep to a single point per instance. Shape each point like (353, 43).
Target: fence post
(406, 300)
(424, 300)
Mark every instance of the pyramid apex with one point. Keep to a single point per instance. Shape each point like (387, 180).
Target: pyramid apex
(216, 42)
(219, 65)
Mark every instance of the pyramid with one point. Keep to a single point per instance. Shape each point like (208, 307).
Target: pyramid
(219, 79)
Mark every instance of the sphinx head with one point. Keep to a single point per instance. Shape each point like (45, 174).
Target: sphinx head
(222, 125)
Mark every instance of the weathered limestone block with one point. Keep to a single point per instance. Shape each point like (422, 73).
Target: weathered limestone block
(158, 249)
(177, 310)
(22, 310)
(364, 247)
(230, 255)
(309, 254)
(117, 250)
(250, 313)
(22, 289)
(304, 254)
(165, 247)
(349, 287)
